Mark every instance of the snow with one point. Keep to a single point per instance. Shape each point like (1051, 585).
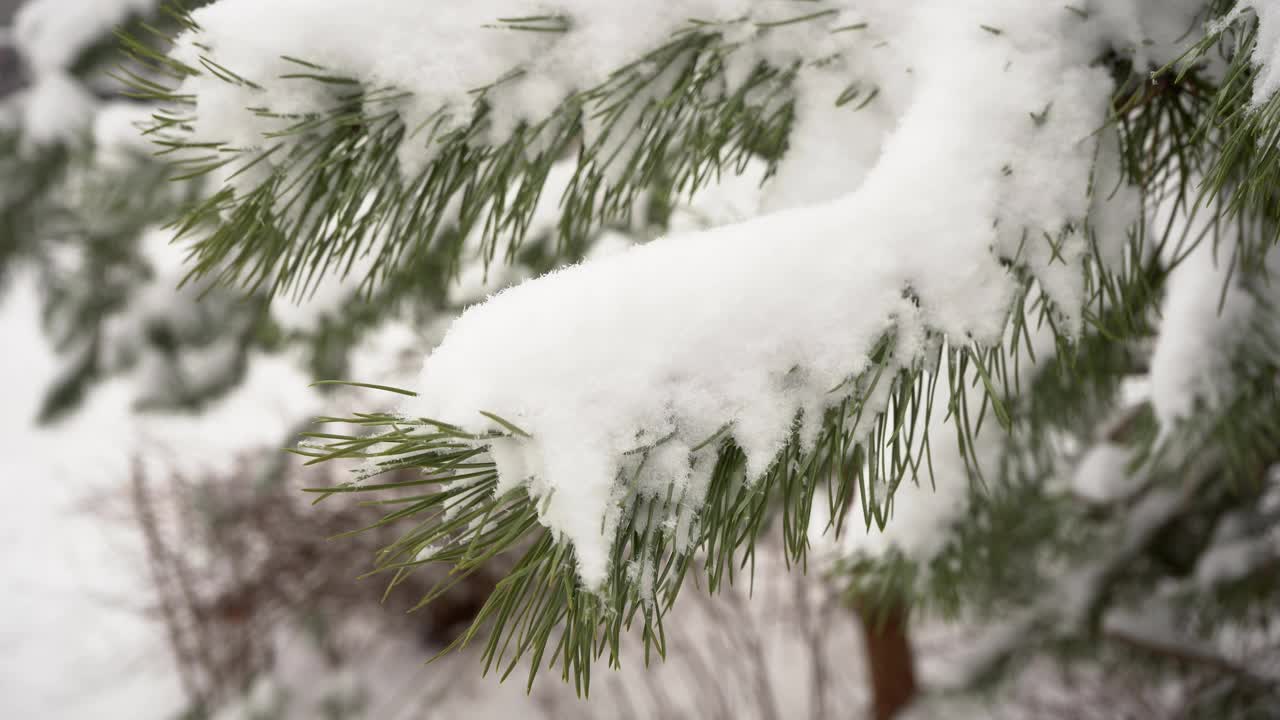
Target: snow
(924, 509)
(924, 512)
(1202, 319)
(1244, 541)
(158, 301)
(117, 133)
(893, 216)
(325, 299)
(1155, 624)
(55, 109)
(391, 43)
(78, 643)
(1234, 560)
(729, 198)
(479, 278)
(1103, 476)
(1266, 51)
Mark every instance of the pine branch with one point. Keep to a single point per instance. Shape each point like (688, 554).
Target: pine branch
(1168, 643)
(333, 191)
(1241, 133)
(1219, 454)
(328, 186)
(463, 522)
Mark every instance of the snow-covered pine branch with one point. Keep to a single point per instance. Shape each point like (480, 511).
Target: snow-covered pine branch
(945, 179)
(738, 329)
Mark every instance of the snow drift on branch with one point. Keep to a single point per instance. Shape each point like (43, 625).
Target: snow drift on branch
(917, 213)
(754, 324)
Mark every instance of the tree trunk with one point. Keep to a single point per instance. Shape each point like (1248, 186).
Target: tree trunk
(889, 659)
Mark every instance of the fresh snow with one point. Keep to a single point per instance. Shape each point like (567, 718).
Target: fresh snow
(1266, 51)
(1234, 560)
(1204, 318)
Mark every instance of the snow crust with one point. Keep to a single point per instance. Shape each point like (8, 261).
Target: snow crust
(898, 213)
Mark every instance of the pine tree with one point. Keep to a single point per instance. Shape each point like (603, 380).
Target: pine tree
(998, 341)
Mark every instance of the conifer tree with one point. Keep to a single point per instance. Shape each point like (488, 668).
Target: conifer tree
(996, 337)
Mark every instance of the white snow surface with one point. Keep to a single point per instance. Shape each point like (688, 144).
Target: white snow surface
(155, 300)
(439, 56)
(1102, 475)
(1203, 320)
(1266, 51)
(1243, 542)
(117, 133)
(895, 216)
(55, 109)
